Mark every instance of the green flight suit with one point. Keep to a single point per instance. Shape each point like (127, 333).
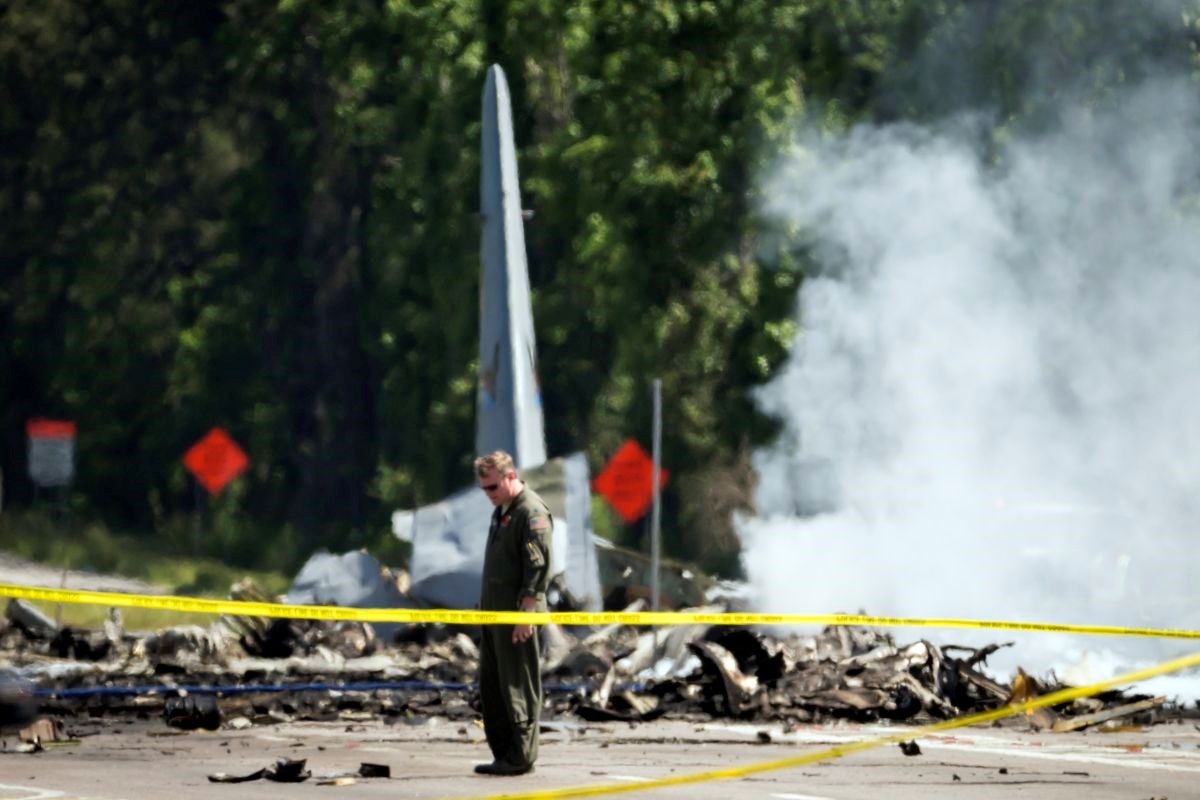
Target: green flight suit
(515, 564)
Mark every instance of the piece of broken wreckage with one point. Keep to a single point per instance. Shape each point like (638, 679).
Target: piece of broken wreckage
(267, 671)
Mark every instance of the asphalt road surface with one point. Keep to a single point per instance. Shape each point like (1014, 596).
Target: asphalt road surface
(16, 570)
(433, 758)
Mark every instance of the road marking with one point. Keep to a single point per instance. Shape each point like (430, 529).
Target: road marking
(1073, 757)
(38, 794)
(1051, 750)
(629, 778)
(994, 745)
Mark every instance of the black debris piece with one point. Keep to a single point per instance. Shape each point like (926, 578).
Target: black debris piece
(222, 777)
(192, 712)
(287, 770)
(366, 770)
(17, 705)
(29, 620)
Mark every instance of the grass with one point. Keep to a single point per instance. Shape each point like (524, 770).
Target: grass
(133, 619)
(92, 547)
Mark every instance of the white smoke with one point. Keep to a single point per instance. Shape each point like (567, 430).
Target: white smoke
(999, 376)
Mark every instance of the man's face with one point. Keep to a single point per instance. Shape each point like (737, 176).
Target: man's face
(500, 487)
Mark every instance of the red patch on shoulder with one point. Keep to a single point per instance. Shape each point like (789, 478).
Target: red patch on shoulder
(539, 524)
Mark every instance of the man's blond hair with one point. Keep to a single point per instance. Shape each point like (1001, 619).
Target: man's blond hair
(500, 461)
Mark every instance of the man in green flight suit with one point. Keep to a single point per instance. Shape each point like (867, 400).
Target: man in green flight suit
(516, 571)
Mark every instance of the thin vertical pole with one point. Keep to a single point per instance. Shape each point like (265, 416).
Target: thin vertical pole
(656, 513)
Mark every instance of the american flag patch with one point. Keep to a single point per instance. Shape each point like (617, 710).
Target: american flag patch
(539, 524)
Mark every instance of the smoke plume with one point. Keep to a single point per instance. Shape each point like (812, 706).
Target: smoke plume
(993, 409)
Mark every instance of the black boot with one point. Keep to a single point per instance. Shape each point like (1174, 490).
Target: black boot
(503, 768)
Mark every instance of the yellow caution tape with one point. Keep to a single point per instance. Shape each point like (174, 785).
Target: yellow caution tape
(198, 605)
(244, 608)
(1054, 698)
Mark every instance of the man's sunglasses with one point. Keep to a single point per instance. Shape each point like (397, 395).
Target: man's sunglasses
(491, 487)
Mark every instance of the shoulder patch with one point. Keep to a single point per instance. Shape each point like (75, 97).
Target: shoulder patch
(535, 554)
(539, 523)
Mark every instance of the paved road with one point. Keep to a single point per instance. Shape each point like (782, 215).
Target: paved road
(127, 759)
(16, 570)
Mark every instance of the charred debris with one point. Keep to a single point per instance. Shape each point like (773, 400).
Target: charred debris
(244, 671)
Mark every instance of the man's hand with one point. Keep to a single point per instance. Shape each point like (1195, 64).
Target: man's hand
(522, 633)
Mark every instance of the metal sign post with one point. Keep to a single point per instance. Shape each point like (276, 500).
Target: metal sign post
(656, 513)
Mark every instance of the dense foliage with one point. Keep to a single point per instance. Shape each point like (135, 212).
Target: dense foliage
(263, 216)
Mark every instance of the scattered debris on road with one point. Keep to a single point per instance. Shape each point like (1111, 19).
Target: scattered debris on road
(246, 671)
(286, 770)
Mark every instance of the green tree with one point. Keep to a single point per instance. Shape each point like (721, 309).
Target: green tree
(263, 216)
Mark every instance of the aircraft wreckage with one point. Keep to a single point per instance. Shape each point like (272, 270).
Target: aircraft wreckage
(243, 671)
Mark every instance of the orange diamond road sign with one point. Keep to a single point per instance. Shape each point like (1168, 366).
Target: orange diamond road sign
(627, 481)
(215, 460)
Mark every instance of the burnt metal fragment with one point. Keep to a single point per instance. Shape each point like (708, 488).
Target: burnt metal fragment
(366, 770)
(729, 689)
(223, 777)
(17, 705)
(191, 712)
(1086, 720)
(29, 620)
(287, 770)
(756, 653)
(81, 646)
